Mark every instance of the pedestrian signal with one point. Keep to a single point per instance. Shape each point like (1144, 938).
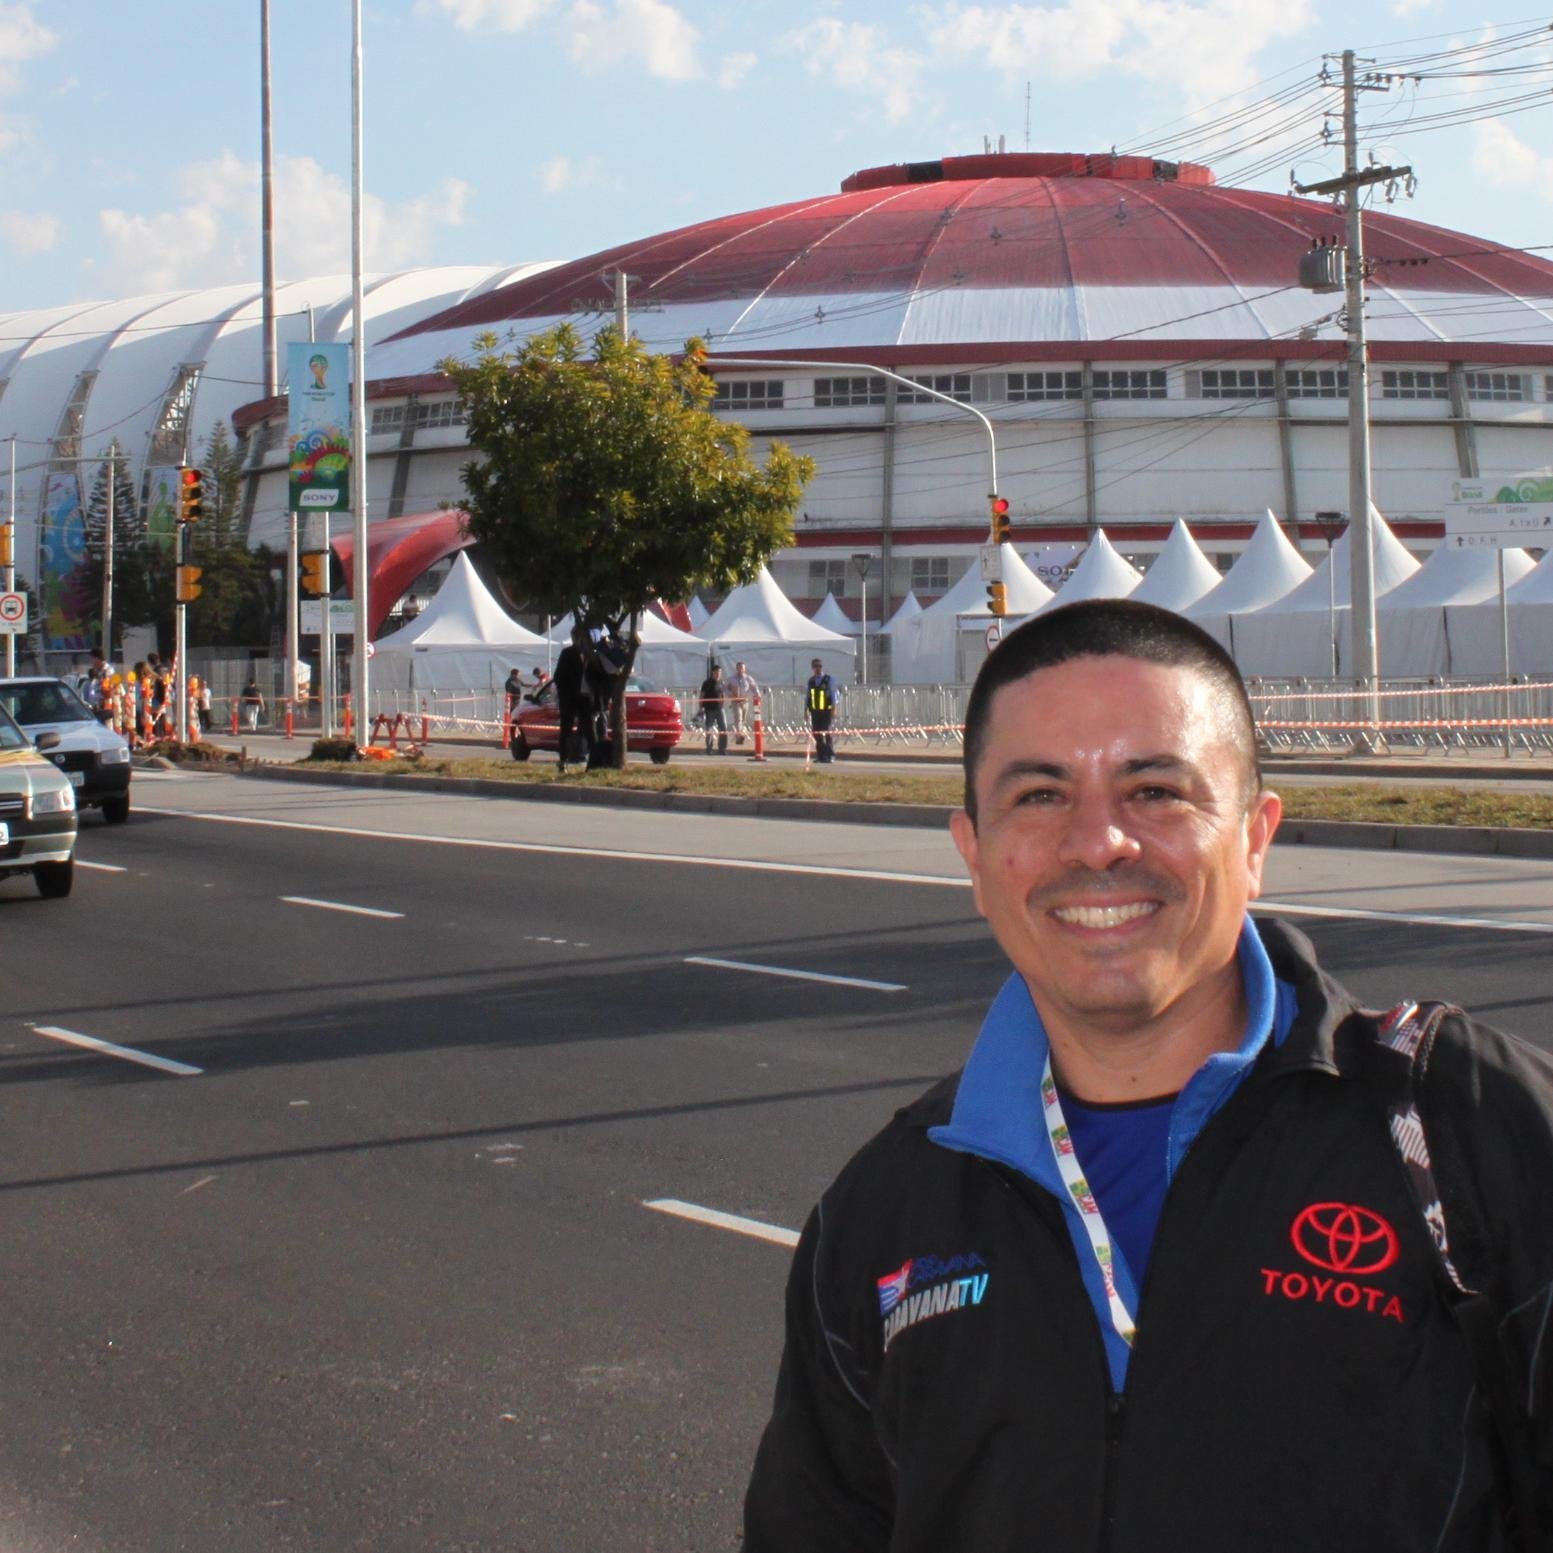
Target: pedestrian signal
(997, 598)
(189, 583)
(315, 572)
(191, 495)
(998, 506)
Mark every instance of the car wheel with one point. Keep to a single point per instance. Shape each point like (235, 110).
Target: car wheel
(659, 756)
(54, 879)
(116, 810)
(520, 746)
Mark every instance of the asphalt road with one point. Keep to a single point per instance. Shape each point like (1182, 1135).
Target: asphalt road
(380, 1274)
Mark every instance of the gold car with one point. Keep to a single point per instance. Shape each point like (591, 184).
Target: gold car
(37, 812)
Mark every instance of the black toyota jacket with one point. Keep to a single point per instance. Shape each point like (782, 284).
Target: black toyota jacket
(1272, 1404)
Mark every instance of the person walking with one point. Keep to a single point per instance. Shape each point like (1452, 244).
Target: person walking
(253, 703)
(573, 703)
(821, 705)
(744, 693)
(1180, 1260)
(714, 695)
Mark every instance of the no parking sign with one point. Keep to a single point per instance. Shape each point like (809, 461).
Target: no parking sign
(13, 614)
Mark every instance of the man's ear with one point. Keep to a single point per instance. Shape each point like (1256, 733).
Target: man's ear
(963, 828)
(1261, 826)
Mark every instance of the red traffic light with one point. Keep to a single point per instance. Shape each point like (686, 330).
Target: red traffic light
(998, 506)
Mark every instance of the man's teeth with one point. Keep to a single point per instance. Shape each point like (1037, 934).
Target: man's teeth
(1105, 916)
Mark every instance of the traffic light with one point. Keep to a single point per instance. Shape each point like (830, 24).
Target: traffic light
(191, 495)
(997, 598)
(998, 506)
(315, 573)
(189, 583)
(7, 530)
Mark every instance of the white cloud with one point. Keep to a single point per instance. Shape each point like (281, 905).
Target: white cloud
(853, 55)
(210, 238)
(29, 233)
(504, 15)
(1407, 9)
(1501, 158)
(633, 32)
(22, 37)
(566, 174)
(734, 68)
(1204, 49)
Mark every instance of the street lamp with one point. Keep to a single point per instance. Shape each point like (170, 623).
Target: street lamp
(861, 560)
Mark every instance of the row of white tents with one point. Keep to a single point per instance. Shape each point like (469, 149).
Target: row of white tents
(1278, 617)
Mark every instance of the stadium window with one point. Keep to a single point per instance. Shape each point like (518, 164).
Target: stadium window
(1316, 383)
(431, 413)
(1232, 383)
(1505, 387)
(827, 577)
(387, 417)
(759, 394)
(956, 384)
(929, 574)
(1026, 386)
(838, 393)
(1414, 385)
(1129, 383)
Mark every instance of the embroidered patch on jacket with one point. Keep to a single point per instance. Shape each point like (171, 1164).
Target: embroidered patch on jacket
(928, 1286)
(1343, 1246)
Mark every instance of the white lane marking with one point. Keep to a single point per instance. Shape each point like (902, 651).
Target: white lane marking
(780, 970)
(553, 849)
(100, 868)
(738, 1224)
(203, 1181)
(355, 911)
(761, 865)
(108, 1049)
(1413, 918)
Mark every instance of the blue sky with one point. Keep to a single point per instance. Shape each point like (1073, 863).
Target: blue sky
(499, 131)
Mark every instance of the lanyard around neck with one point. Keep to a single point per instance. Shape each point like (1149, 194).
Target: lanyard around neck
(1084, 1200)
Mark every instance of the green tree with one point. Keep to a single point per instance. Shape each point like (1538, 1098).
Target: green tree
(237, 602)
(142, 587)
(607, 483)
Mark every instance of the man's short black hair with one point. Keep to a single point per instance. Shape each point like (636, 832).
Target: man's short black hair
(1102, 628)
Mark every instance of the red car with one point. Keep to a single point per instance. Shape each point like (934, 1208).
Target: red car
(652, 716)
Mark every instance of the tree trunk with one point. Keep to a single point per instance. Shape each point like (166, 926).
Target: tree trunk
(618, 719)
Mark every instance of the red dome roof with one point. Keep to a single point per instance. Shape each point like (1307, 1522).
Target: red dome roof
(1032, 247)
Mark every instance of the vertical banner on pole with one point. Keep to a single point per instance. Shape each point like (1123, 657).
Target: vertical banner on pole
(67, 602)
(318, 425)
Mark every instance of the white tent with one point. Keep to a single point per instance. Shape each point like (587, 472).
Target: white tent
(1180, 575)
(761, 625)
(1269, 569)
(1293, 637)
(462, 640)
(909, 609)
(927, 649)
(833, 617)
(699, 614)
(1412, 620)
(1101, 574)
(1475, 630)
(667, 654)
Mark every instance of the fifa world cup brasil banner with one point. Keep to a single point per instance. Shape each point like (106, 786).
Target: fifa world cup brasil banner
(319, 425)
(69, 610)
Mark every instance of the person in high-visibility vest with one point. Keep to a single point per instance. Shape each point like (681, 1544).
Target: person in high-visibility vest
(821, 703)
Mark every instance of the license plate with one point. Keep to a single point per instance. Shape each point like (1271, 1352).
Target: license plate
(5, 834)
(76, 777)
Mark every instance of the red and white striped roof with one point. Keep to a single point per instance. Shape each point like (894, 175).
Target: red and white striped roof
(1022, 256)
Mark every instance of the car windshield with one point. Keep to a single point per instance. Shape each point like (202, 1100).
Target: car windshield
(645, 687)
(45, 701)
(11, 737)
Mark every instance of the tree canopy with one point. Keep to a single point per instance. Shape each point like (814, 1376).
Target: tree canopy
(606, 482)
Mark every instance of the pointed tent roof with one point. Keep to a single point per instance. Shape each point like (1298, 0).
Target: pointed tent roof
(699, 614)
(909, 609)
(1393, 566)
(1101, 574)
(1180, 576)
(463, 614)
(1026, 592)
(1452, 576)
(833, 617)
(1536, 587)
(761, 612)
(1268, 568)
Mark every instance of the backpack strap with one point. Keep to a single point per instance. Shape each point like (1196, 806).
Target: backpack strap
(1445, 1195)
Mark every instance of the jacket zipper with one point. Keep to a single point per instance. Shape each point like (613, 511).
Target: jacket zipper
(1115, 1412)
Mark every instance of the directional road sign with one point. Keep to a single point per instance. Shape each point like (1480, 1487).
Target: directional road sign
(1498, 525)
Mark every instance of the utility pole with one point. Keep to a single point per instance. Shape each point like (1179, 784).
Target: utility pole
(622, 313)
(107, 559)
(10, 563)
(1361, 530)
(267, 200)
(360, 563)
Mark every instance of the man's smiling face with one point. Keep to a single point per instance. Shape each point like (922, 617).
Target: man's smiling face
(1117, 842)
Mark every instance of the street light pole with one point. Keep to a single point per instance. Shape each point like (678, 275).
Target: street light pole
(359, 561)
(860, 561)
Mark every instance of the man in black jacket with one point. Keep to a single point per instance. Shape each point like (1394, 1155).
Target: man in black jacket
(1146, 1275)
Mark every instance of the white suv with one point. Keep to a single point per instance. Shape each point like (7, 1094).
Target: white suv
(93, 757)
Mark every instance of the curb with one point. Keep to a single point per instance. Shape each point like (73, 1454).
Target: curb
(1467, 840)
